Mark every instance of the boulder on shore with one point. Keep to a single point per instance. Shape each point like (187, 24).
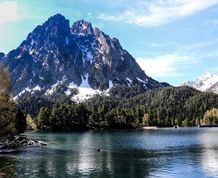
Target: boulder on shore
(11, 144)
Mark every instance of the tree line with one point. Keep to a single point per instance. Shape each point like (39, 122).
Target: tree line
(125, 107)
(136, 107)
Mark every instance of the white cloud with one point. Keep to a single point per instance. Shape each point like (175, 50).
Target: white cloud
(183, 59)
(159, 12)
(8, 12)
(164, 66)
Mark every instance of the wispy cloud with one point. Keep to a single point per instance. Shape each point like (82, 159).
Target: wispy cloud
(164, 66)
(182, 47)
(183, 58)
(158, 12)
(9, 12)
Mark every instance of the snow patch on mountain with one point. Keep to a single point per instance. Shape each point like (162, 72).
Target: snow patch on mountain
(85, 93)
(85, 82)
(110, 84)
(203, 83)
(37, 88)
(27, 89)
(52, 89)
(140, 80)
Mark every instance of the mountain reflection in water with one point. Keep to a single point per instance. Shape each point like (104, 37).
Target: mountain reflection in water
(191, 152)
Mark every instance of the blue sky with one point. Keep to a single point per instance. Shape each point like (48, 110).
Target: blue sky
(172, 40)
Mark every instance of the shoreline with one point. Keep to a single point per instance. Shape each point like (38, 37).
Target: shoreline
(115, 130)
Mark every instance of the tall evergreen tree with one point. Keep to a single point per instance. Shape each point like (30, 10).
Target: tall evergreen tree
(12, 121)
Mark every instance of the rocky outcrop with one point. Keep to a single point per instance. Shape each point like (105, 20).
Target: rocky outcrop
(11, 144)
(79, 55)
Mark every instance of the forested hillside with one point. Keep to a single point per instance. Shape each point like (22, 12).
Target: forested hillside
(123, 108)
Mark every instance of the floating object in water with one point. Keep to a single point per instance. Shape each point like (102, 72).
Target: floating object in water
(98, 150)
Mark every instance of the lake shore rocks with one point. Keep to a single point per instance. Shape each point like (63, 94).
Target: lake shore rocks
(11, 144)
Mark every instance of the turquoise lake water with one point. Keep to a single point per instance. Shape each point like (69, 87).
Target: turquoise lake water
(184, 152)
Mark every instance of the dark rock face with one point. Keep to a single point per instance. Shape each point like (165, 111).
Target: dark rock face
(55, 52)
(1, 55)
(46, 56)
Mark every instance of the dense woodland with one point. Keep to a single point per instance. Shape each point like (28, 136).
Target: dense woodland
(125, 108)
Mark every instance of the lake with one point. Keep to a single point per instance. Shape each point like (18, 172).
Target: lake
(183, 152)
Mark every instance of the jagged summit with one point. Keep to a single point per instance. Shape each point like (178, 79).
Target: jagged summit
(79, 56)
(56, 20)
(55, 30)
(82, 27)
(57, 17)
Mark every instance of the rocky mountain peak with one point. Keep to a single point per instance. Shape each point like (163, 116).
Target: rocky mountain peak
(82, 27)
(203, 82)
(57, 17)
(55, 30)
(57, 21)
(54, 54)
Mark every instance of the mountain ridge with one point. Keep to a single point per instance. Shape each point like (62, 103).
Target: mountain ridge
(55, 53)
(207, 83)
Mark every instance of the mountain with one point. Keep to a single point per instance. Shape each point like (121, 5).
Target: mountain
(206, 82)
(1, 55)
(214, 88)
(55, 54)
